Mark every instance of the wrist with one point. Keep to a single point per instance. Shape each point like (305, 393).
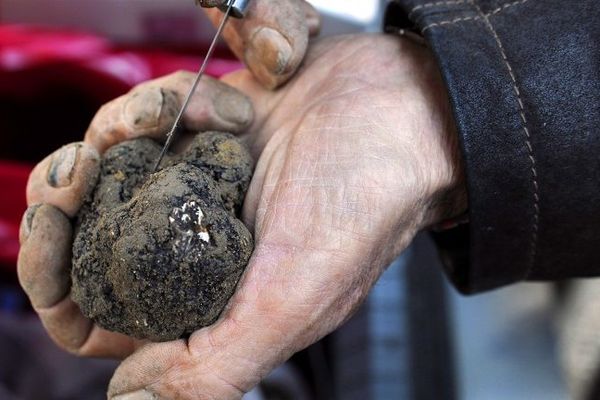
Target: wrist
(447, 201)
(445, 195)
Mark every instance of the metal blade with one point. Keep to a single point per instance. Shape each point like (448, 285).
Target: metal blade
(186, 103)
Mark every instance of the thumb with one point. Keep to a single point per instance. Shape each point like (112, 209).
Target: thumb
(271, 317)
(223, 361)
(300, 284)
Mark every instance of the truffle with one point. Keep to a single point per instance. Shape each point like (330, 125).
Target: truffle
(158, 255)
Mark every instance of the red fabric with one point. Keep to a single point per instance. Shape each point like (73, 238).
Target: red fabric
(13, 178)
(32, 58)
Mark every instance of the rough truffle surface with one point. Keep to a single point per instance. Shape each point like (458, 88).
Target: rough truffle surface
(157, 256)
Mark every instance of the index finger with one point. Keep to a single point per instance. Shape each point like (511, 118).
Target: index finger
(150, 110)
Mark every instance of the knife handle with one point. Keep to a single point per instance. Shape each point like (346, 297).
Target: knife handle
(238, 8)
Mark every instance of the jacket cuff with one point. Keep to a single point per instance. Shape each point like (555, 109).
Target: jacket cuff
(497, 247)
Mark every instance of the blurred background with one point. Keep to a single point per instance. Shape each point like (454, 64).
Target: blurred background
(415, 337)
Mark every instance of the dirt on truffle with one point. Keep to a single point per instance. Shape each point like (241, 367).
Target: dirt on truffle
(157, 256)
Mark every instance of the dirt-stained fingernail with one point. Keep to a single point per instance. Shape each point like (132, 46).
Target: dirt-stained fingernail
(234, 107)
(60, 171)
(138, 395)
(27, 222)
(271, 49)
(144, 107)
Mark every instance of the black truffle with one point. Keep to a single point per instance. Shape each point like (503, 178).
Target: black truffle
(157, 256)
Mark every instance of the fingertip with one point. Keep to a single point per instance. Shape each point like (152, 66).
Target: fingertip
(106, 344)
(234, 108)
(272, 39)
(66, 325)
(313, 19)
(274, 56)
(150, 111)
(216, 105)
(45, 255)
(147, 366)
(64, 178)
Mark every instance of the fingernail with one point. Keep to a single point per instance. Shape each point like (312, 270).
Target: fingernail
(60, 172)
(27, 223)
(143, 108)
(269, 48)
(234, 107)
(138, 395)
(170, 107)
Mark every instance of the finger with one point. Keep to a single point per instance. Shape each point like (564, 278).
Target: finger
(64, 178)
(150, 110)
(271, 39)
(45, 255)
(215, 105)
(70, 330)
(313, 18)
(66, 325)
(43, 269)
(103, 343)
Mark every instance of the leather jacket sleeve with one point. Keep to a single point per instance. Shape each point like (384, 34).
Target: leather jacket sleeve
(523, 78)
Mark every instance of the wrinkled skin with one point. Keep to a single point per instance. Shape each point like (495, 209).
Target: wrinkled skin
(355, 158)
(355, 155)
(272, 38)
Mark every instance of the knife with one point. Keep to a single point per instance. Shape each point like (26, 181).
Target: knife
(233, 8)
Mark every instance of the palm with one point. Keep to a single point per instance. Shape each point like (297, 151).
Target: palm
(337, 182)
(336, 194)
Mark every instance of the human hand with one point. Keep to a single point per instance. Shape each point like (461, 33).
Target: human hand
(59, 184)
(357, 153)
(272, 38)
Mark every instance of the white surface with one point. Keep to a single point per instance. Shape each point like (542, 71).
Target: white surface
(360, 11)
(505, 345)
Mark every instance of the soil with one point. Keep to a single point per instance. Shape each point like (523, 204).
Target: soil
(158, 255)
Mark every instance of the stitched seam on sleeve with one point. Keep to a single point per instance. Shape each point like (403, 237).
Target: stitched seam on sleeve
(474, 18)
(435, 4)
(449, 22)
(534, 174)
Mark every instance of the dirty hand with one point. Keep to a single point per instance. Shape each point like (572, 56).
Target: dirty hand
(355, 155)
(272, 38)
(59, 184)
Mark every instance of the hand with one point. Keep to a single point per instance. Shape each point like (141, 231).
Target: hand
(59, 184)
(356, 154)
(272, 39)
